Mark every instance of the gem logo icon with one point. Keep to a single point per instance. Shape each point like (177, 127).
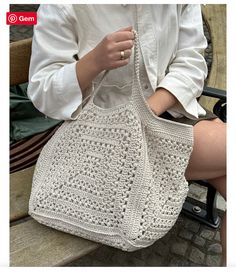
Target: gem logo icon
(21, 18)
(12, 18)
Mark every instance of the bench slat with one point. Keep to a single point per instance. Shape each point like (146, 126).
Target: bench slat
(20, 52)
(33, 244)
(20, 188)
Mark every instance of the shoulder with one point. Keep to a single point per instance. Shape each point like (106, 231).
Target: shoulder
(188, 8)
(65, 11)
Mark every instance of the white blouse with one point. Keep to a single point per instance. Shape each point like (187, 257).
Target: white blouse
(172, 43)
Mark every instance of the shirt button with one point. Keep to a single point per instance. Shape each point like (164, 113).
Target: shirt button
(145, 86)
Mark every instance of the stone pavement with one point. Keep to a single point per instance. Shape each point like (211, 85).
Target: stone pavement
(19, 32)
(189, 243)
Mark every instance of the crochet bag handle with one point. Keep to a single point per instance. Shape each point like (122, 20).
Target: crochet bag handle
(136, 73)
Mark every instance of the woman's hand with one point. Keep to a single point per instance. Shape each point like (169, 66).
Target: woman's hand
(107, 54)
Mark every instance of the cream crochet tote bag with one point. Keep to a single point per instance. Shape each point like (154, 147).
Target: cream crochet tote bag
(114, 176)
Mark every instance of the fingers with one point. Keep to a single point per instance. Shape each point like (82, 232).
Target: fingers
(124, 45)
(124, 42)
(124, 34)
(109, 52)
(120, 63)
(127, 54)
(126, 29)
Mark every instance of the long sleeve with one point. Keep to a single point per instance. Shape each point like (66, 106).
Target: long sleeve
(53, 85)
(188, 70)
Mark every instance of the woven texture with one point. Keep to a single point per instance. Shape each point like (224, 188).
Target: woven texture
(114, 176)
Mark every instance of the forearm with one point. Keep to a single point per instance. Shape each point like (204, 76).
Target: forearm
(161, 101)
(86, 70)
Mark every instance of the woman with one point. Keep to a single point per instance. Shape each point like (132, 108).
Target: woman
(74, 44)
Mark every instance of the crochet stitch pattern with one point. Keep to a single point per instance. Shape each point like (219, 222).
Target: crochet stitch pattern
(114, 176)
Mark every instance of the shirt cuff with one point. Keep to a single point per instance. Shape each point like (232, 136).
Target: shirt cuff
(71, 94)
(184, 91)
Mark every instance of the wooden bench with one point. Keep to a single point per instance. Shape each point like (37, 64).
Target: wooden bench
(33, 244)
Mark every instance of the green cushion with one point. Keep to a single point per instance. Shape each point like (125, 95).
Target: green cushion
(25, 119)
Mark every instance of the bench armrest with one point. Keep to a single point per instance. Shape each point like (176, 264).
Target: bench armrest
(220, 106)
(214, 92)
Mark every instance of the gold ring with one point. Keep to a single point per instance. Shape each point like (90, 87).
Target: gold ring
(122, 55)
